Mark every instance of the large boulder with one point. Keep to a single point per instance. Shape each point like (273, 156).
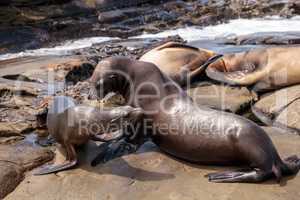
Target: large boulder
(222, 97)
(280, 108)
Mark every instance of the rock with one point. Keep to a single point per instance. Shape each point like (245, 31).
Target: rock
(10, 177)
(246, 8)
(267, 38)
(222, 97)
(280, 108)
(8, 129)
(30, 2)
(108, 4)
(46, 69)
(17, 108)
(290, 117)
(15, 160)
(7, 90)
(111, 16)
(11, 139)
(21, 38)
(150, 174)
(25, 155)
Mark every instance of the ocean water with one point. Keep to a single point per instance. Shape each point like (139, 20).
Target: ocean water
(233, 28)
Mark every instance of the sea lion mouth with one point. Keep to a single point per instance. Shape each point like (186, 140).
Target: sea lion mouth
(233, 73)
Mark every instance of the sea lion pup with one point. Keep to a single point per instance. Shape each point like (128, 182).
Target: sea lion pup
(187, 131)
(265, 69)
(72, 125)
(179, 61)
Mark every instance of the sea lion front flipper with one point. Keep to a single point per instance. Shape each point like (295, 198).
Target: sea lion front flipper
(239, 176)
(56, 168)
(71, 162)
(114, 150)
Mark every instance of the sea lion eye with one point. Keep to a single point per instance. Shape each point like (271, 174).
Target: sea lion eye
(100, 82)
(112, 76)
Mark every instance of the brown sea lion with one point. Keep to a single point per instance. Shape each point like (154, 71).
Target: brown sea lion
(72, 125)
(187, 131)
(265, 69)
(179, 61)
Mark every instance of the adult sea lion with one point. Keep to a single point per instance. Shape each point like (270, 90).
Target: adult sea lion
(179, 61)
(265, 69)
(72, 125)
(193, 133)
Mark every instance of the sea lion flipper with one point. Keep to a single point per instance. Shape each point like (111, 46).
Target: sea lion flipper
(185, 76)
(239, 176)
(114, 150)
(56, 168)
(176, 45)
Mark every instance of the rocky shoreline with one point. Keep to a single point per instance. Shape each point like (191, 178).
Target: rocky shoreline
(25, 81)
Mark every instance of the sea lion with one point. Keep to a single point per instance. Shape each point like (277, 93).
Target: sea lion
(72, 125)
(179, 61)
(265, 69)
(192, 133)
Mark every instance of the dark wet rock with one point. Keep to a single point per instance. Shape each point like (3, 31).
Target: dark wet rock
(280, 108)
(222, 97)
(31, 2)
(10, 177)
(49, 24)
(267, 38)
(21, 38)
(150, 174)
(111, 16)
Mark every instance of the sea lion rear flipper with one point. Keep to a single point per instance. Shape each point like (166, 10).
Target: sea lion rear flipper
(56, 168)
(240, 176)
(176, 45)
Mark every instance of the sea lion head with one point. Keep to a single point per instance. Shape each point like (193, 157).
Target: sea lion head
(109, 76)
